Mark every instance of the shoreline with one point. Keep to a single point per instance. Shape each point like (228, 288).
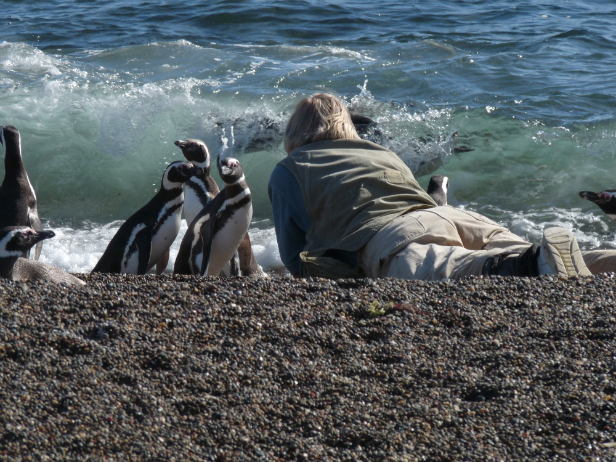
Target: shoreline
(190, 368)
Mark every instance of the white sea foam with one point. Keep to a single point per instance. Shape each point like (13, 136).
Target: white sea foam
(25, 59)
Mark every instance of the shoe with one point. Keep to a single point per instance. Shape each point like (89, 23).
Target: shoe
(560, 255)
(513, 264)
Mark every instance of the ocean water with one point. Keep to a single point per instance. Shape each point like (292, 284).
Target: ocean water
(513, 101)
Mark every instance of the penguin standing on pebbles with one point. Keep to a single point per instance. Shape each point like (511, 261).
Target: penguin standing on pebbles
(215, 234)
(14, 241)
(144, 239)
(17, 197)
(437, 189)
(199, 191)
(606, 200)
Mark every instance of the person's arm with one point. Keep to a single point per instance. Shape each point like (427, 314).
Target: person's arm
(291, 219)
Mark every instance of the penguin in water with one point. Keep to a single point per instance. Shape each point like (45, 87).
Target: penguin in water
(437, 189)
(17, 197)
(14, 241)
(199, 191)
(215, 234)
(606, 200)
(144, 239)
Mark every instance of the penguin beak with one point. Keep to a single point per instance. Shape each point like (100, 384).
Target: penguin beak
(42, 235)
(198, 171)
(31, 237)
(590, 196)
(180, 144)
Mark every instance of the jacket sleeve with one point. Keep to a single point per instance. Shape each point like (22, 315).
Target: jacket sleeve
(291, 219)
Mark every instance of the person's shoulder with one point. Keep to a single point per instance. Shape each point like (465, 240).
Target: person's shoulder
(363, 144)
(327, 146)
(342, 145)
(281, 175)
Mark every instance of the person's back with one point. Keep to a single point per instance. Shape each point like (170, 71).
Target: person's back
(352, 188)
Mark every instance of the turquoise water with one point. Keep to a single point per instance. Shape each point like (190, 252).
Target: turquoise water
(514, 101)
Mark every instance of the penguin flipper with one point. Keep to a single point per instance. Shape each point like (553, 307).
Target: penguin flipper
(143, 241)
(207, 236)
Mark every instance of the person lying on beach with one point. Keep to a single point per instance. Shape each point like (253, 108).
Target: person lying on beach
(346, 207)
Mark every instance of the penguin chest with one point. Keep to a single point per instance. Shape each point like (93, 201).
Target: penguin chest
(165, 232)
(227, 238)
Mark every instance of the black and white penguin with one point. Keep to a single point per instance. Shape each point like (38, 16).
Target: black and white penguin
(216, 233)
(144, 239)
(14, 241)
(606, 200)
(201, 189)
(437, 189)
(17, 196)
(362, 123)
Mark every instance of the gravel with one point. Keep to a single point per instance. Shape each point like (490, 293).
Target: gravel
(187, 368)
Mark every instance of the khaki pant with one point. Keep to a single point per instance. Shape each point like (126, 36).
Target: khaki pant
(445, 242)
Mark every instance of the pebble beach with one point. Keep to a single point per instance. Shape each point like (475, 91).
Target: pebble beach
(185, 368)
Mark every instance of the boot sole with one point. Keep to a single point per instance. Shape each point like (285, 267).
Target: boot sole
(563, 249)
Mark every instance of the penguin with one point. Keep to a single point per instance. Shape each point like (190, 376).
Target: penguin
(437, 189)
(216, 233)
(17, 196)
(144, 239)
(606, 200)
(14, 241)
(201, 189)
(362, 123)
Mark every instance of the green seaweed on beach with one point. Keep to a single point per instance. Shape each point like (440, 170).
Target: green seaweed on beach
(376, 309)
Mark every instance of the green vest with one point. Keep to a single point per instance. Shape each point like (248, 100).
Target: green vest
(351, 189)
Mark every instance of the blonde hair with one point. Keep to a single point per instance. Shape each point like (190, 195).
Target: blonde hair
(318, 117)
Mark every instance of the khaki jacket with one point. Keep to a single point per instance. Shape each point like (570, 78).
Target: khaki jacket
(351, 189)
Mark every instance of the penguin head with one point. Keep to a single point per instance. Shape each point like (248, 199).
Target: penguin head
(606, 200)
(15, 240)
(230, 169)
(196, 152)
(10, 139)
(437, 188)
(362, 123)
(178, 172)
